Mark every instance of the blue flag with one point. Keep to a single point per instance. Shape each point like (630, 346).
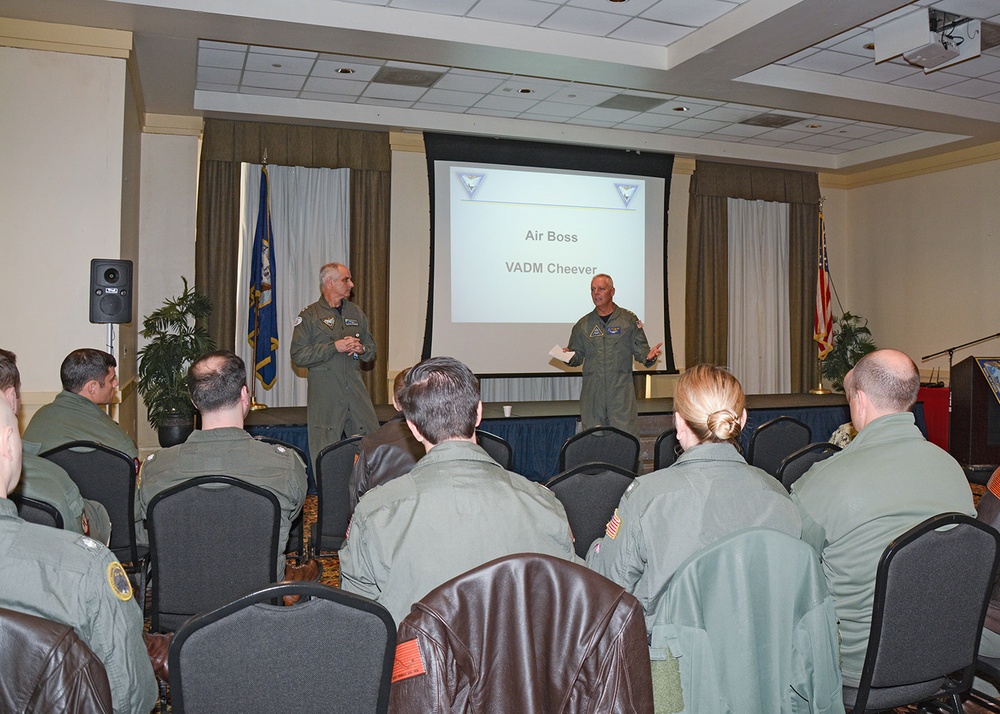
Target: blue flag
(262, 330)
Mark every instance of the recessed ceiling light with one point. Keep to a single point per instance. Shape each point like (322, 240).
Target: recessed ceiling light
(681, 109)
(617, 0)
(525, 90)
(344, 70)
(814, 126)
(869, 46)
(276, 65)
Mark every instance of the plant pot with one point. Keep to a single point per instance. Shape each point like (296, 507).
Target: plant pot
(175, 430)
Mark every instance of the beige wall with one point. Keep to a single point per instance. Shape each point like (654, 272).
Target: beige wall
(919, 258)
(61, 148)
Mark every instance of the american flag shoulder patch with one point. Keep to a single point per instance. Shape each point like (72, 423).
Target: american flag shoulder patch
(612, 530)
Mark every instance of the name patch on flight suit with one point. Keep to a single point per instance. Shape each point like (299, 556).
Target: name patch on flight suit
(118, 580)
(351, 323)
(407, 662)
(596, 332)
(614, 330)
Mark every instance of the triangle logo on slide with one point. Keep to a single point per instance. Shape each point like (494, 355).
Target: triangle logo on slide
(626, 191)
(471, 182)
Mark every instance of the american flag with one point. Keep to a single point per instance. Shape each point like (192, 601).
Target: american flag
(823, 320)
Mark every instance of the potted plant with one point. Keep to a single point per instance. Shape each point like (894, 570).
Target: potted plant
(852, 340)
(175, 340)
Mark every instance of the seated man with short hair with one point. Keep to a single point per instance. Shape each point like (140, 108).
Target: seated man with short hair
(218, 385)
(69, 578)
(45, 480)
(387, 453)
(455, 510)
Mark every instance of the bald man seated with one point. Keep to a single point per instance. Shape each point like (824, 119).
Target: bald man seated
(886, 481)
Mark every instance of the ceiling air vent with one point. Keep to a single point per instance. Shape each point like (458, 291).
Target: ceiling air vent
(771, 121)
(631, 102)
(406, 77)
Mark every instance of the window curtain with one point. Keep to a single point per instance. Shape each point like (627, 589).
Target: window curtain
(758, 327)
(707, 290)
(226, 144)
(309, 217)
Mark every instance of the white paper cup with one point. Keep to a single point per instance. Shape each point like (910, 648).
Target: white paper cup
(507, 409)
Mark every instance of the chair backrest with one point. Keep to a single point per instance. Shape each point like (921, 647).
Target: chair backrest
(34, 511)
(332, 651)
(604, 444)
(212, 539)
(798, 462)
(497, 447)
(333, 475)
(667, 449)
(773, 441)
(579, 643)
(107, 476)
(931, 591)
(753, 602)
(48, 668)
(590, 493)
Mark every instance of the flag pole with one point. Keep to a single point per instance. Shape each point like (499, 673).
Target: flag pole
(820, 389)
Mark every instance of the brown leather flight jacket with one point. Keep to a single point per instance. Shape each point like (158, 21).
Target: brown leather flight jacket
(524, 633)
(46, 667)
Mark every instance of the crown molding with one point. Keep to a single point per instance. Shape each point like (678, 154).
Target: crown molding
(53, 37)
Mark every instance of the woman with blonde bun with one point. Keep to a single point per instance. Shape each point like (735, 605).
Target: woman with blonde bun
(708, 493)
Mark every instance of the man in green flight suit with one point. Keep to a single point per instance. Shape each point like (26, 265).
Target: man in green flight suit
(331, 339)
(605, 342)
(74, 580)
(45, 480)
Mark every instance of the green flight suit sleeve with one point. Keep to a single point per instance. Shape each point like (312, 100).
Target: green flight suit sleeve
(621, 554)
(360, 568)
(311, 346)
(576, 345)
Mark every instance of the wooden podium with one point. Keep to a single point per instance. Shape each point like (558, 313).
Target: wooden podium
(975, 415)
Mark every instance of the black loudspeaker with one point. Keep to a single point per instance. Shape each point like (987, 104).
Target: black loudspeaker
(110, 290)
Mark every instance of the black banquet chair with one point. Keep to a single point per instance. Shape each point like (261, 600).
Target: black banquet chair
(604, 444)
(212, 539)
(667, 450)
(107, 476)
(34, 511)
(798, 462)
(334, 465)
(925, 633)
(590, 493)
(497, 447)
(775, 440)
(238, 658)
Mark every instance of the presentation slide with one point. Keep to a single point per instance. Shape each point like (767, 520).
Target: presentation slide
(523, 242)
(516, 248)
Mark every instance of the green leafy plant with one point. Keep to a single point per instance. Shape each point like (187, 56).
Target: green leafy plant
(852, 340)
(175, 340)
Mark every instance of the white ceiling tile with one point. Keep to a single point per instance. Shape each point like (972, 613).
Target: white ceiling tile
(658, 120)
(694, 13)
(972, 88)
(492, 112)
(884, 73)
(855, 45)
(438, 7)
(976, 67)
(820, 140)
(674, 131)
(649, 32)
(802, 54)
(393, 91)
(699, 124)
(415, 65)
(856, 131)
(719, 136)
(841, 38)
(282, 52)
(270, 80)
(445, 96)
(991, 98)
(730, 114)
(209, 87)
(830, 62)
(271, 92)
(557, 109)
(894, 15)
(612, 115)
(673, 107)
(461, 82)
(783, 135)
(322, 97)
(855, 144)
(333, 85)
(744, 130)
(885, 136)
(513, 104)
(217, 75)
(629, 126)
(540, 89)
(591, 122)
(583, 94)
(700, 100)
(515, 12)
(213, 45)
(978, 9)
(537, 116)
(630, 8)
(828, 150)
(221, 58)
(584, 22)
(379, 102)
(454, 109)
(331, 57)
(258, 62)
(932, 80)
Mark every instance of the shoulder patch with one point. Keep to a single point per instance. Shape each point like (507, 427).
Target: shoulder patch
(407, 662)
(280, 449)
(635, 482)
(118, 581)
(88, 544)
(298, 321)
(613, 525)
